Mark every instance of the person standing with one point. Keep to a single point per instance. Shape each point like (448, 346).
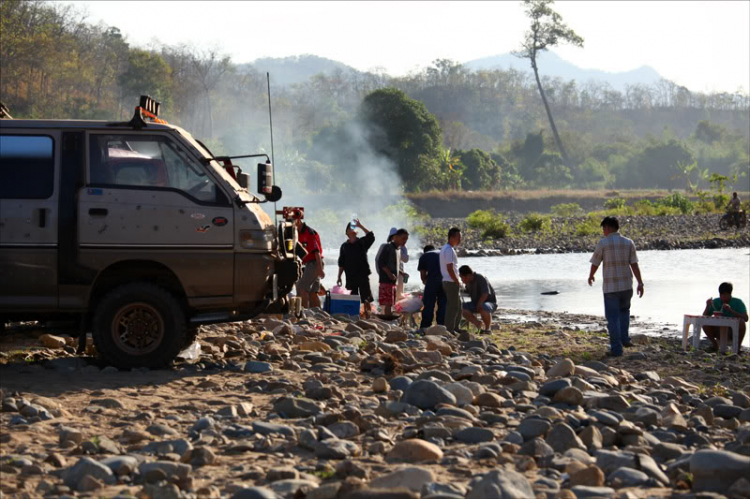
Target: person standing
(482, 298)
(451, 285)
(388, 265)
(353, 262)
(432, 278)
(619, 258)
(734, 207)
(402, 276)
(314, 267)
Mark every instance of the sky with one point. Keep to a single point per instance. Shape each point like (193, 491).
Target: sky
(703, 45)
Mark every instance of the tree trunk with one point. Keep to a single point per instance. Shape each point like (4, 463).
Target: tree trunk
(549, 115)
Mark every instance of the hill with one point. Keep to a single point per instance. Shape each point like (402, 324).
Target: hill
(550, 64)
(295, 69)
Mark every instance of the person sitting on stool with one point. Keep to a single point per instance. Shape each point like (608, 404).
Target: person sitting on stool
(727, 307)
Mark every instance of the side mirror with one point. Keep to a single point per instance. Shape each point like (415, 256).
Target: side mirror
(275, 194)
(244, 180)
(265, 178)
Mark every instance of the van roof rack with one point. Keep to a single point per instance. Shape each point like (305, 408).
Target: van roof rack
(147, 108)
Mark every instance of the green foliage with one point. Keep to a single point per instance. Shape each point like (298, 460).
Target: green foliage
(406, 132)
(709, 132)
(146, 74)
(678, 201)
(481, 172)
(534, 222)
(591, 225)
(614, 204)
(566, 209)
(492, 225)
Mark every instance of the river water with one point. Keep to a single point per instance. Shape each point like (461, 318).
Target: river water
(676, 282)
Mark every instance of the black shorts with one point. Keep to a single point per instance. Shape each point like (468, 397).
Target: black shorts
(361, 287)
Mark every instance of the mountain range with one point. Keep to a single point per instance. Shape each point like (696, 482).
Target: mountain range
(297, 69)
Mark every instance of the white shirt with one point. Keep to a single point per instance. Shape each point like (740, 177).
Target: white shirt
(448, 255)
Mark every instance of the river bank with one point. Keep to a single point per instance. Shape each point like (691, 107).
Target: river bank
(339, 408)
(562, 235)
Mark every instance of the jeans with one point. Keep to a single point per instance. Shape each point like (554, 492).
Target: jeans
(453, 305)
(433, 293)
(617, 312)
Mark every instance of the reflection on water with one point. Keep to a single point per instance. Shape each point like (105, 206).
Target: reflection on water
(676, 282)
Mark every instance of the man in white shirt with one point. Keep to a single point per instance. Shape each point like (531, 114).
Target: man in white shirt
(451, 284)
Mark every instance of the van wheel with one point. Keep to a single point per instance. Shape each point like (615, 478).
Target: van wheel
(139, 325)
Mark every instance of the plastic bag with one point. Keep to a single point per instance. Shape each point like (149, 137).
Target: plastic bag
(408, 305)
(192, 352)
(340, 290)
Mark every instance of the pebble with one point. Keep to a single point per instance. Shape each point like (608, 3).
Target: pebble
(502, 484)
(410, 477)
(717, 470)
(415, 451)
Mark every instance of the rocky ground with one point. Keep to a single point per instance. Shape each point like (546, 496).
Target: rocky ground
(330, 407)
(652, 232)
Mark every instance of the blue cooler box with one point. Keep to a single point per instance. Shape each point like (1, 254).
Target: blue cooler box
(343, 304)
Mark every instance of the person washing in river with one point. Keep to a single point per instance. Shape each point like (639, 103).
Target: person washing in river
(388, 269)
(308, 285)
(619, 257)
(726, 306)
(432, 278)
(451, 285)
(483, 299)
(353, 262)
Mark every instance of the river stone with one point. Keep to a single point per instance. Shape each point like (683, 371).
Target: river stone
(427, 394)
(714, 401)
(605, 418)
(289, 407)
(415, 451)
(179, 446)
(533, 427)
(121, 465)
(616, 403)
(410, 477)
(400, 383)
(258, 367)
(255, 493)
(464, 395)
(628, 477)
(169, 468)
(87, 466)
(727, 411)
(569, 395)
(562, 437)
(474, 435)
(665, 451)
(536, 447)
(738, 398)
(380, 385)
(550, 388)
(265, 428)
(590, 476)
(717, 470)
(648, 416)
(333, 448)
(293, 488)
(501, 484)
(489, 399)
(583, 492)
(591, 437)
(564, 367)
(344, 429)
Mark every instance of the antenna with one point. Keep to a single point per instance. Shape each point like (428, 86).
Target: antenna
(270, 121)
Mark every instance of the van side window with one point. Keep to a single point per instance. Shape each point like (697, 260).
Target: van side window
(148, 161)
(27, 167)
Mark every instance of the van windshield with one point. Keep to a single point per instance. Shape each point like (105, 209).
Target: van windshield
(207, 155)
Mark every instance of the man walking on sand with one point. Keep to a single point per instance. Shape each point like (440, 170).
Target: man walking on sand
(451, 284)
(618, 255)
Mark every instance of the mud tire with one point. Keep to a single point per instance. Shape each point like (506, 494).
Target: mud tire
(165, 317)
(724, 222)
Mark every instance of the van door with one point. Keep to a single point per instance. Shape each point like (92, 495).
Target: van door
(148, 198)
(29, 194)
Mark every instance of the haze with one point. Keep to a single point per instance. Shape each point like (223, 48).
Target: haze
(704, 46)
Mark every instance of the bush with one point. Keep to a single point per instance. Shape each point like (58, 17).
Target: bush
(566, 209)
(534, 222)
(590, 226)
(492, 225)
(614, 204)
(678, 201)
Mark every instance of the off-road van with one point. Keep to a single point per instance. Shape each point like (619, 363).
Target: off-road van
(137, 231)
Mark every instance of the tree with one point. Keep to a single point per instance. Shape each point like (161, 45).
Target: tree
(147, 74)
(481, 171)
(547, 30)
(403, 130)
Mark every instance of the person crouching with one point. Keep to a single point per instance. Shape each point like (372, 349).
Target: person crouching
(483, 299)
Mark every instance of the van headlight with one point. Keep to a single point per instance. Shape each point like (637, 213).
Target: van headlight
(257, 239)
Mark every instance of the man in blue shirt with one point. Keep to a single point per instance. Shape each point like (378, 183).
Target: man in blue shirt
(727, 307)
(432, 278)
